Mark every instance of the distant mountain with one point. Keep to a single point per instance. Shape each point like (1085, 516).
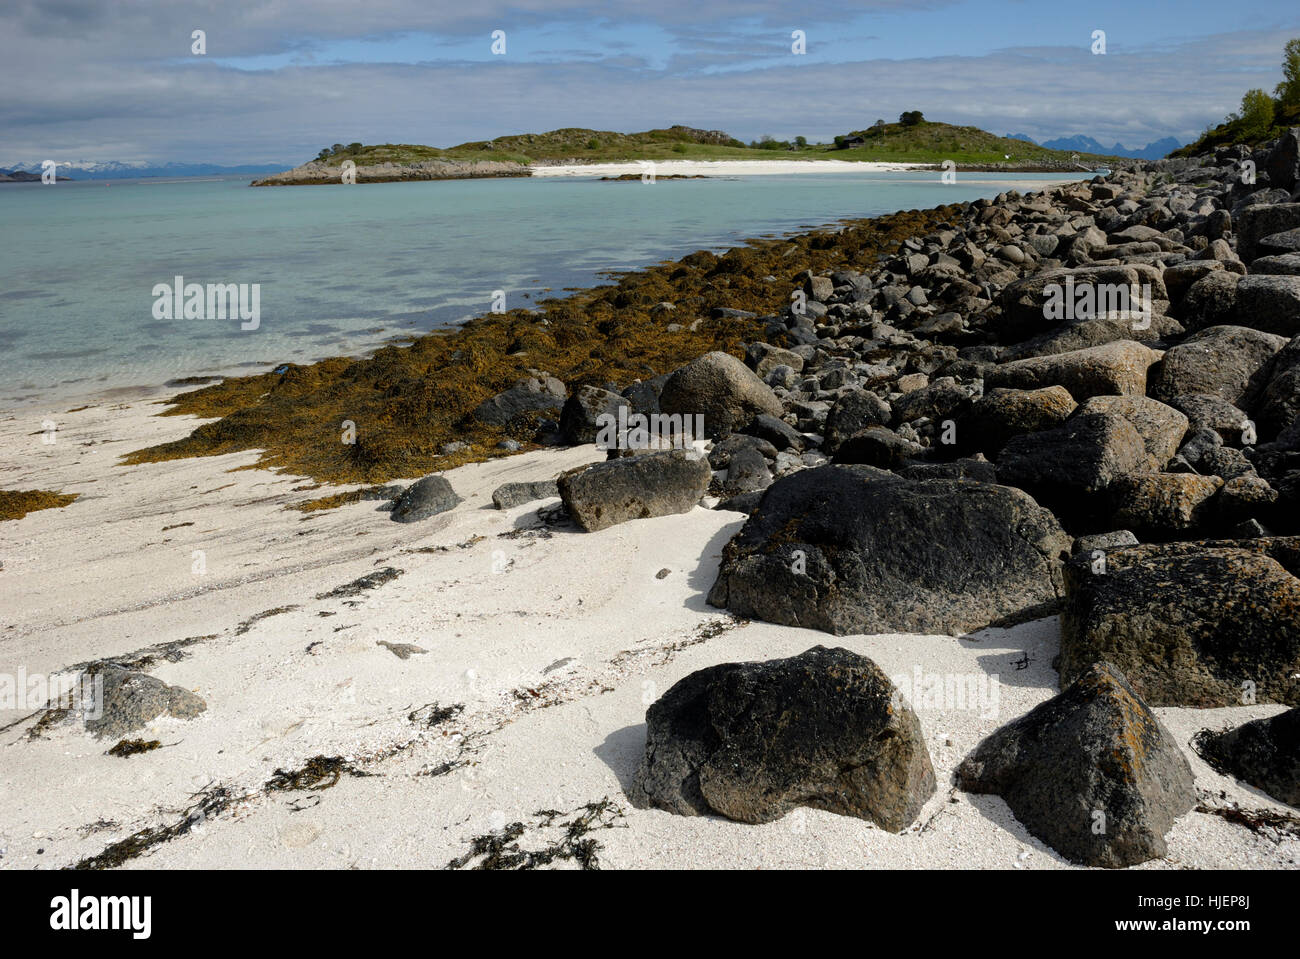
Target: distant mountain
(113, 170)
(1080, 143)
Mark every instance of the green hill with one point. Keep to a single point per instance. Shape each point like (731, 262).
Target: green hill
(921, 142)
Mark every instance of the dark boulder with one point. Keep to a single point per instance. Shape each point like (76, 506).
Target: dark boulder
(425, 498)
(722, 389)
(1091, 772)
(853, 549)
(528, 395)
(752, 741)
(1203, 623)
(1264, 753)
(129, 700)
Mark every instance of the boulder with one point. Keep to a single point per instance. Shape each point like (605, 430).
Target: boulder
(752, 741)
(1025, 303)
(1161, 427)
(510, 495)
(1091, 772)
(852, 549)
(1269, 303)
(580, 418)
(1064, 468)
(1283, 164)
(1261, 220)
(1002, 413)
(425, 498)
(1264, 753)
(1206, 412)
(1280, 403)
(877, 446)
(1163, 502)
(852, 413)
(721, 388)
(1231, 362)
(1210, 301)
(130, 700)
(635, 487)
(533, 394)
(763, 358)
(1190, 624)
(1113, 368)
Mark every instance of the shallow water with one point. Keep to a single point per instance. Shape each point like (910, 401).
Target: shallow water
(343, 269)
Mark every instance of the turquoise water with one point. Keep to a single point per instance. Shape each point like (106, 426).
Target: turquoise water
(342, 269)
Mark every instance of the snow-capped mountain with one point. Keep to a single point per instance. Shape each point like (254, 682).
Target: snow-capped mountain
(117, 170)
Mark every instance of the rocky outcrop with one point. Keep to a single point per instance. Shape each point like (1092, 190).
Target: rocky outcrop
(320, 172)
(635, 487)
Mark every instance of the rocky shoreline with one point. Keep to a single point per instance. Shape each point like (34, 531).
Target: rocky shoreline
(1075, 412)
(1084, 401)
(317, 172)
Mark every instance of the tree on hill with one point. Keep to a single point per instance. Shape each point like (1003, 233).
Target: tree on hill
(911, 118)
(1256, 116)
(1288, 91)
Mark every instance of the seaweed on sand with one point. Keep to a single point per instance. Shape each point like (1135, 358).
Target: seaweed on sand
(15, 504)
(133, 747)
(319, 772)
(406, 401)
(210, 803)
(501, 849)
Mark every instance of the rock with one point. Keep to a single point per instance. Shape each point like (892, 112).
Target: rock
(580, 418)
(131, 700)
(635, 487)
(1283, 164)
(1113, 368)
(1206, 412)
(1163, 502)
(1261, 220)
(1190, 624)
(1003, 413)
(877, 446)
(1064, 467)
(1025, 303)
(1280, 403)
(776, 431)
(527, 395)
(852, 413)
(1210, 301)
(1278, 244)
(763, 358)
(741, 502)
(1284, 264)
(723, 389)
(1091, 772)
(1230, 362)
(937, 401)
(425, 498)
(1180, 277)
(1104, 541)
(1161, 427)
(747, 472)
(510, 495)
(1264, 753)
(752, 741)
(852, 549)
(1269, 303)
(980, 470)
(722, 451)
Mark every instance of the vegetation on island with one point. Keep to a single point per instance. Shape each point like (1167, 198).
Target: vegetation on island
(1260, 117)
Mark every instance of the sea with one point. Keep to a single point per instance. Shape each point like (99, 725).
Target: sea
(341, 270)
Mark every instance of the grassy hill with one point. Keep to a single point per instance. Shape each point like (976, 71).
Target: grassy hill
(924, 142)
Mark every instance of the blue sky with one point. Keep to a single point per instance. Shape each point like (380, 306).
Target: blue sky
(117, 80)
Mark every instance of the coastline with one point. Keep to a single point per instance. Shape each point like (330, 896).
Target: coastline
(539, 645)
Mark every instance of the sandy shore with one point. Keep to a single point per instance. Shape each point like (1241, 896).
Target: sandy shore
(552, 640)
(723, 168)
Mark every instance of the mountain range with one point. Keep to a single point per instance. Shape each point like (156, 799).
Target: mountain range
(115, 170)
(1080, 143)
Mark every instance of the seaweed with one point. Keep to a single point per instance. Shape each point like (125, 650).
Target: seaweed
(211, 803)
(256, 618)
(133, 747)
(501, 849)
(432, 714)
(15, 504)
(358, 586)
(319, 772)
(1263, 822)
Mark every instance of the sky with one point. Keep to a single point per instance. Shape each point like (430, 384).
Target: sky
(280, 79)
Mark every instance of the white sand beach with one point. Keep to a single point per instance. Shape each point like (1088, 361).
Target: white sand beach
(722, 168)
(552, 640)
